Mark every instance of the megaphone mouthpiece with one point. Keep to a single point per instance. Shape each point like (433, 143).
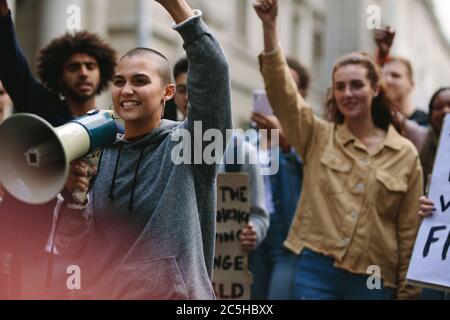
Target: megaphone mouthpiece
(42, 154)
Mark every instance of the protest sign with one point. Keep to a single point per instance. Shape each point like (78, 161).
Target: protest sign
(430, 262)
(231, 279)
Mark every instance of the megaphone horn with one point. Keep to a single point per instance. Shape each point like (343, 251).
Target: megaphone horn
(35, 157)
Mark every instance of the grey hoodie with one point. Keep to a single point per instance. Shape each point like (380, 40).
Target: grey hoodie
(149, 229)
(259, 217)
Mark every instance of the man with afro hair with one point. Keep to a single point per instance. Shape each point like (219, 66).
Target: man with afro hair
(73, 70)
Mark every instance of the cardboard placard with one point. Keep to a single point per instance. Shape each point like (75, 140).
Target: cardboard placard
(430, 262)
(231, 278)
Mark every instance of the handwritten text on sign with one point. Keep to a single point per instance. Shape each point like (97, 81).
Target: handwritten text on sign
(231, 279)
(430, 262)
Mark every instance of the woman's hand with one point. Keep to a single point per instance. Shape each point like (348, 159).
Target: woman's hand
(384, 39)
(271, 123)
(426, 207)
(80, 175)
(248, 238)
(267, 11)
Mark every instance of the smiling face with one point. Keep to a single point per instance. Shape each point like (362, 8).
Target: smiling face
(353, 92)
(80, 77)
(139, 92)
(440, 108)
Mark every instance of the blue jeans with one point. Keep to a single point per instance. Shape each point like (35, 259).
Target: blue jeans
(316, 278)
(432, 294)
(273, 266)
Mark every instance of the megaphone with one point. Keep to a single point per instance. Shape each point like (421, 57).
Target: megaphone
(35, 157)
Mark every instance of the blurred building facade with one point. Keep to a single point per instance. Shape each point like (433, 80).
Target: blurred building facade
(419, 38)
(314, 31)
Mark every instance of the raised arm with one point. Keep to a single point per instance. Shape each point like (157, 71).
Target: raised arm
(178, 9)
(267, 11)
(297, 118)
(14, 70)
(208, 82)
(259, 217)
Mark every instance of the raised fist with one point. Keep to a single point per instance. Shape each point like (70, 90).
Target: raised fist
(4, 8)
(384, 39)
(267, 11)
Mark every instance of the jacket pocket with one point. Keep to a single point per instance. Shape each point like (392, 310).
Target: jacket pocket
(336, 172)
(391, 190)
(154, 279)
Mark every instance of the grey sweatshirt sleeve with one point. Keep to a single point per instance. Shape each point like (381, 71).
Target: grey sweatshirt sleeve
(259, 217)
(73, 228)
(208, 83)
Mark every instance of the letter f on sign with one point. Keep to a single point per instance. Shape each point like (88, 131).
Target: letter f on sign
(431, 239)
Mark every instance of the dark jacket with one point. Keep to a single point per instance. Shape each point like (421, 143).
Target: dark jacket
(24, 228)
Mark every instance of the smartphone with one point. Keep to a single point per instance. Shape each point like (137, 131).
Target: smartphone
(261, 103)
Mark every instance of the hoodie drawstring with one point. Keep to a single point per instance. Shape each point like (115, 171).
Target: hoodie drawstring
(130, 205)
(111, 191)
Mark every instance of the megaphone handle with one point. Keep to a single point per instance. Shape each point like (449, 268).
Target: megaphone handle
(92, 160)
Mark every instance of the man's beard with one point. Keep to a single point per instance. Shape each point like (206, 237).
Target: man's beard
(69, 93)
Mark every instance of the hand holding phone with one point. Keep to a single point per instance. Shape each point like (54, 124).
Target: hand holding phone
(261, 103)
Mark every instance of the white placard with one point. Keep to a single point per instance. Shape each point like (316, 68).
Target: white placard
(231, 279)
(430, 262)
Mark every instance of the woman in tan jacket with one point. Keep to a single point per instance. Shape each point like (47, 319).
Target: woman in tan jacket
(356, 222)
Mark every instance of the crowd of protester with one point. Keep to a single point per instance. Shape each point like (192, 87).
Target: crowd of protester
(349, 193)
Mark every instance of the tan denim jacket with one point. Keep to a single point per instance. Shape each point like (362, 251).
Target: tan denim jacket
(357, 207)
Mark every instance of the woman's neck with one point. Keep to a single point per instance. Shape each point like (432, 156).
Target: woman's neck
(138, 128)
(361, 128)
(370, 135)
